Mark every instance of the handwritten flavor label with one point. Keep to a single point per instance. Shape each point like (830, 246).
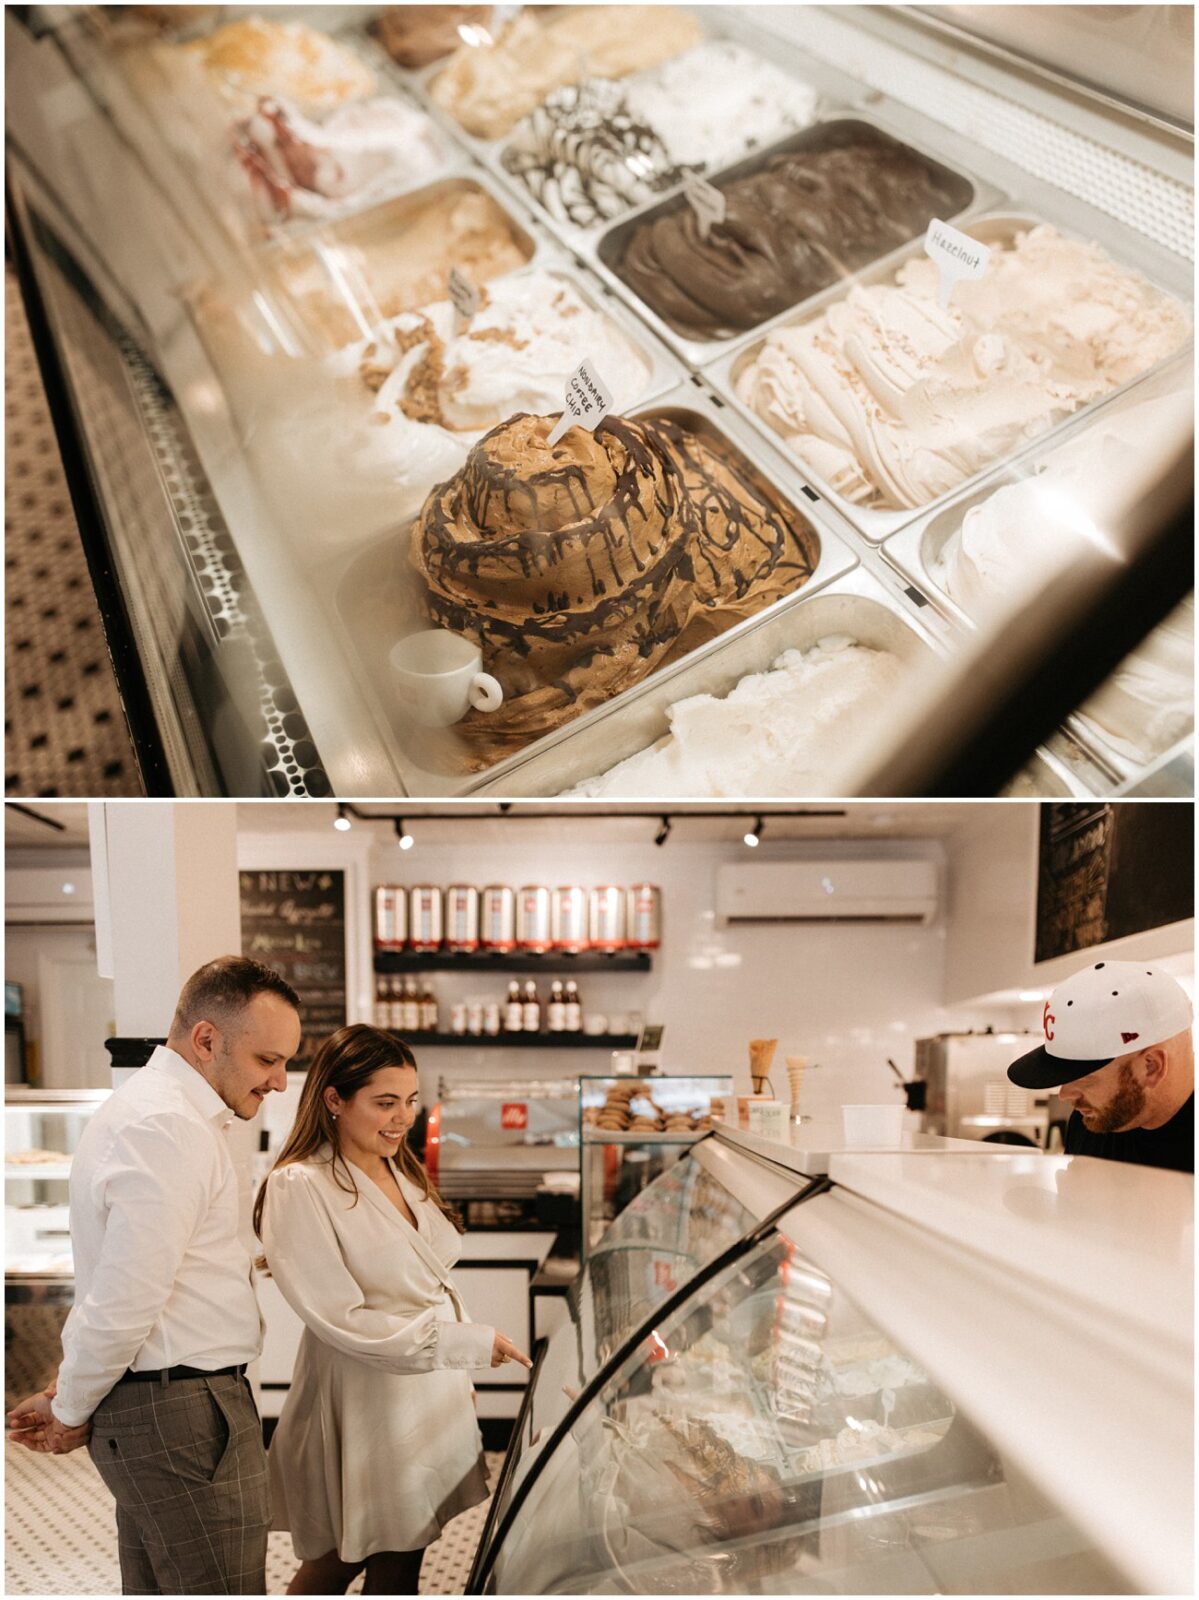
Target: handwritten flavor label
(465, 297)
(956, 255)
(587, 401)
(706, 201)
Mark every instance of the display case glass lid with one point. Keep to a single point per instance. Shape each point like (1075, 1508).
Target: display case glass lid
(771, 1438)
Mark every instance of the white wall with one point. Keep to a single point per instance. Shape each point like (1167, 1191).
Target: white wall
(845, 997)
(992, 909)
(68, 1047)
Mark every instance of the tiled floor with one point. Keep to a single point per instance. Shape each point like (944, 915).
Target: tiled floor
(60, 1537)
(64, 730)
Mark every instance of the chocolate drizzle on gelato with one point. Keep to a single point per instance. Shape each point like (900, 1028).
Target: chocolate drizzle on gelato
(802, 221)
(583, 568)
(585, 155)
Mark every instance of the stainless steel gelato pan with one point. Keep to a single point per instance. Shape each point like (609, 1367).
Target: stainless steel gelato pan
(824, 263)
(377, 599)
(995, 229)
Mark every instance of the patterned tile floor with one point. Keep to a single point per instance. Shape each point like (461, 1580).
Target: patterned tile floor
(60, 1536)
(64, 729)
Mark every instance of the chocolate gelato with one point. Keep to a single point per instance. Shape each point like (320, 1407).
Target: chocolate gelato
(416, 36)
(582, 568)
(801, 222)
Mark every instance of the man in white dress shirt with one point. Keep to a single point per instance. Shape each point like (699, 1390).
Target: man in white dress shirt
(165, 1318)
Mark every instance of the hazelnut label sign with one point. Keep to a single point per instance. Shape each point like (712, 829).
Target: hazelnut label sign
(587, 402)
(706, 201)
(957, 256)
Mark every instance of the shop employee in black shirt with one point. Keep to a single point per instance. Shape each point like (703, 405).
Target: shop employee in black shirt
(1118, 1042)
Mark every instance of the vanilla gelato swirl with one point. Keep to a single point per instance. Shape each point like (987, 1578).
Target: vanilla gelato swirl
(582, 567)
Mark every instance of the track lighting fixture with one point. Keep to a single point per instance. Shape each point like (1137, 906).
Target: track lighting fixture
(663, 832)
(341, 822)
(753, 837)
(403, 838)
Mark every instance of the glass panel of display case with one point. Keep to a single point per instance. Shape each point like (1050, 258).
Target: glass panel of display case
(769, 1438)
(669, 1232)
(631, 1130)
(41, 1133)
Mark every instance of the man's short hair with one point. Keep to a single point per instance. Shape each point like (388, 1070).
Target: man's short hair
(223, 988)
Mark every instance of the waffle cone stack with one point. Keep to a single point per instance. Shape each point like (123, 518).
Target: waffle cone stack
(761, 1054)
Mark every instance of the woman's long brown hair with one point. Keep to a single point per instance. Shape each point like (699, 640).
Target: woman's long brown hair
(347, 1061)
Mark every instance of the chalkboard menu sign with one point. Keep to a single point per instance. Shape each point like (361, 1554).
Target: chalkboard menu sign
(296, 923)
(1107, 871)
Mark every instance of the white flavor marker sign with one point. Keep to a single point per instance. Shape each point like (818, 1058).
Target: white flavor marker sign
(465, 298)
(587, 400)
(957, 256)
(706, 201)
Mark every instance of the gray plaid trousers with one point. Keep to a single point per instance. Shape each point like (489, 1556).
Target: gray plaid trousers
(185, 1463)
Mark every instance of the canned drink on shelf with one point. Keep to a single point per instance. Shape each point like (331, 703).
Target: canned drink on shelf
(569, 921)
(606, 920)
(534, 930)
(491, 1017)
(497, 919)
(458, 1017)
(391, 917)
(474, 1016)
(462, 917)
(643, 904)
(424, 917)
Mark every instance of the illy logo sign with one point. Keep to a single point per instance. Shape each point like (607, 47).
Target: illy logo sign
(514, 1114)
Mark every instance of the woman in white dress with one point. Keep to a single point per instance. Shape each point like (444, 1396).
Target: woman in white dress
(377, 1447)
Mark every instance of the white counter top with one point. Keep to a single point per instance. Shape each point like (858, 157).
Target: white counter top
(812, 1145)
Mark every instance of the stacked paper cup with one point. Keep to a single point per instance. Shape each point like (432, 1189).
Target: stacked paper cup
(795, 1066)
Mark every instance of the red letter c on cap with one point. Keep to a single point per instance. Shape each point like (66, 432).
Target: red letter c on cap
(1046, 1019)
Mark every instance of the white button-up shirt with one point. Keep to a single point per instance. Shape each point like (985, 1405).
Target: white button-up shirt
(161, 1277)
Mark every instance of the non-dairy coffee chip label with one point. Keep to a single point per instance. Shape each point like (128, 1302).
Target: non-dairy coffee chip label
(465, 298)
(587, 401)
(957, 257)
(706, 201)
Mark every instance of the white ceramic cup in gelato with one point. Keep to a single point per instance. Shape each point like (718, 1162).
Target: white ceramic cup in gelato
(873, 1125)
(439, 675)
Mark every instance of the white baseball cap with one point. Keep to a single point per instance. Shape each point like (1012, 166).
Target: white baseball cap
(1111, 1009)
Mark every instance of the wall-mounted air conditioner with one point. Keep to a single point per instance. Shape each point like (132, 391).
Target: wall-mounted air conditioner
(48, 894)
(827, 891)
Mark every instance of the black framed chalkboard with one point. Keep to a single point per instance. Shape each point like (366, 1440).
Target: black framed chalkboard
(1108, 870)
(296, 923)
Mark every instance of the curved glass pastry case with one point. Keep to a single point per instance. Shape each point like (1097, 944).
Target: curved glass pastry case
(306, 311)
(883, 1385)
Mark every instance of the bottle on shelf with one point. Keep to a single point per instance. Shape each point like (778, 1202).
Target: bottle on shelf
(410, 1007)
(429, 1019)
(572, 1008)
(556, 1010)
(492, 1017)
(531, 1018)
(382, 1011)
(396, 1005)
(514, 1013)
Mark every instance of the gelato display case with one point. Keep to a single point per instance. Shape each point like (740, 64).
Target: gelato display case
(880, 1380)
(631, 1130)
(309, 290)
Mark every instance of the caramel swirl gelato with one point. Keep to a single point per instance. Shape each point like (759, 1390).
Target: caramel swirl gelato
(583, 567)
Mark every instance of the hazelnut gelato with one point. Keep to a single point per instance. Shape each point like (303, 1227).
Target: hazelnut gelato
(892, 400)
(583, 567)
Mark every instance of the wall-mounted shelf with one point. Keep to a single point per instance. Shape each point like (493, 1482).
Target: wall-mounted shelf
(521, 1041)
(553, 964)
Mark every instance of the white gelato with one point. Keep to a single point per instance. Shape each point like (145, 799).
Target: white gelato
(892, 400)
(1148, 703)
(1015, 541)
(718, 101)
(786, 732)
(397, 414)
